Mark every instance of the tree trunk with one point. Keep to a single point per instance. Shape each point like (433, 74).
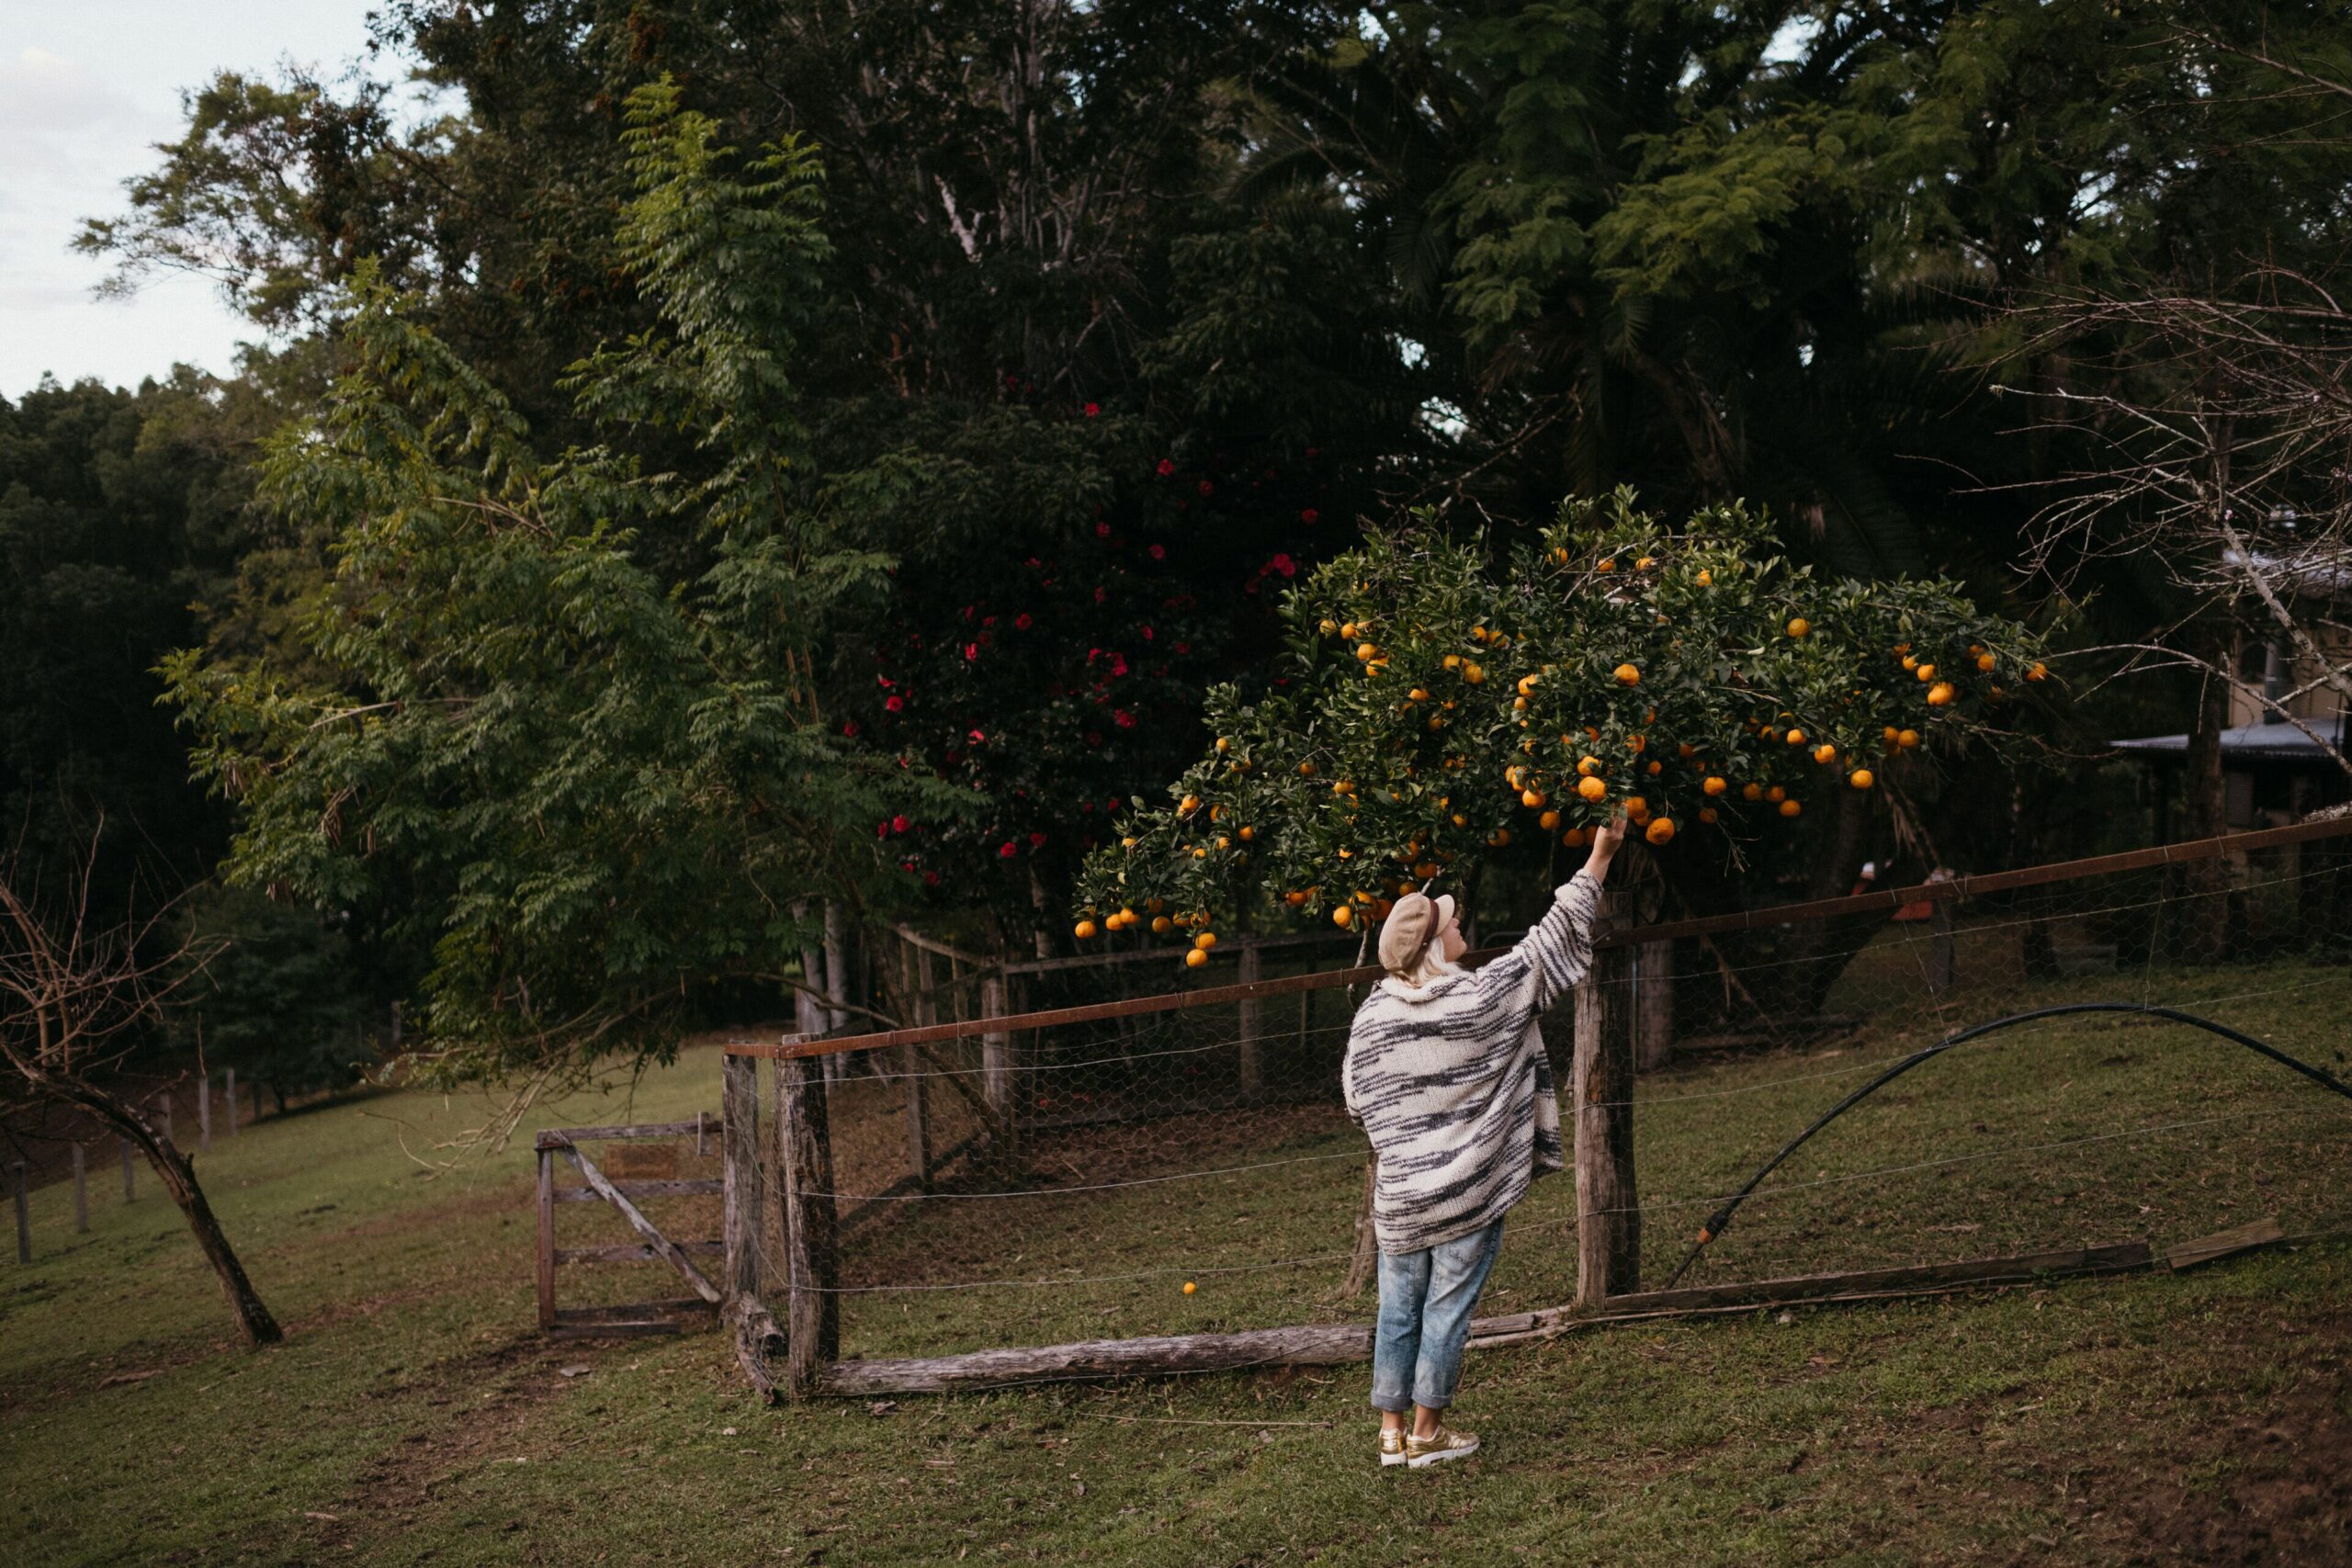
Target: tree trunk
(2200, 912)
(254, 1324)
(1819, 951)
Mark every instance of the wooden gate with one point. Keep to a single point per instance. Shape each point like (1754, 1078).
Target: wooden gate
(633, 1177)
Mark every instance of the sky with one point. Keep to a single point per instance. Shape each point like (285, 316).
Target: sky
(87, 88)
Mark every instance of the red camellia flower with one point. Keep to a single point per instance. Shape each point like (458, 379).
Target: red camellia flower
(1166, 466)
(1284, 564)
(1184, 648)
(850, 728)
(930, 879)
(1158, 552)
(1123, 719)
(894, 702)
(1207, 489)
(971, 651)
(1102, 530)
(1309, 515)
(899, 824)
(1037, 840)
(1100, 593)
(1147, 634)
(1118, 665)
(1005, 850)
(1094, 409)
(978, 737)
(1021, 622)
(881, 829)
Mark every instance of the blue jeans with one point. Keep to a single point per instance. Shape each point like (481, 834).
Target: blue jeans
(1426, 1298)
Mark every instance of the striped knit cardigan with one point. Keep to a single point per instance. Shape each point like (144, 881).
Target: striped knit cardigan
(1450, 1081)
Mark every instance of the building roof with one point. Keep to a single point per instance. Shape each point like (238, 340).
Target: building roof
(2251, 743)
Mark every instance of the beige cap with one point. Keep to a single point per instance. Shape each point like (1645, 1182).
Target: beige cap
(1412, 924)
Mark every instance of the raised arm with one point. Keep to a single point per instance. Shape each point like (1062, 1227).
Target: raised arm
(1556, 952)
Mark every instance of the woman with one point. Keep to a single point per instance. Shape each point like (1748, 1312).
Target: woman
(1445, 1070)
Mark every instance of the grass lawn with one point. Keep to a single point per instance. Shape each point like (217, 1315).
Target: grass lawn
(416, 1416)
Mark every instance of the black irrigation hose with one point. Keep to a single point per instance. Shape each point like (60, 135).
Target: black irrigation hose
(1722, 1217)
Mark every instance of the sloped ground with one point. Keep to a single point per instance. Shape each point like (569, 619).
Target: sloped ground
(414, 1415)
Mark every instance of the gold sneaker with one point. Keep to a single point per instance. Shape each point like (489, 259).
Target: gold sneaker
(1392, 1445)
(1443, 1444)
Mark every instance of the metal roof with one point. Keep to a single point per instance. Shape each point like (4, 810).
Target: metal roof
(2252, 742)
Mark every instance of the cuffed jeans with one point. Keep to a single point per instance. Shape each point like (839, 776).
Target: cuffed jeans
(1426, 1298)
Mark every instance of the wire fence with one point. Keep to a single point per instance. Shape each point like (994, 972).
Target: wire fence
(1191, 1168)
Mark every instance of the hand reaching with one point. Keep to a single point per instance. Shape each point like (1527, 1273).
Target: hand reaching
(1605, 839)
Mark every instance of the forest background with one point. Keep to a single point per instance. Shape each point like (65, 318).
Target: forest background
(748, 459)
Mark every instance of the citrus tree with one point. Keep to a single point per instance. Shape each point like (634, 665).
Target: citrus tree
(1436, 711)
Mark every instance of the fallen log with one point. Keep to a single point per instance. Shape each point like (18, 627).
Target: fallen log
(1340, 1343)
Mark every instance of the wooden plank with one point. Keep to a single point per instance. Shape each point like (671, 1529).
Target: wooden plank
(639, 1253)
(667, 1306)
(759, 1343)
(915, 969)
(914, 938)
(1336, 1344)
(663, 1247)
(560, 1137)
(546, 1238)
(1783, 914)
(2225, 1244)
(615, 1330)
(811, 1246)
(2069, 1260)
(685, 1186)
(996, 1052)
(1247, 1021)
(1162, 954)
(739, 1104)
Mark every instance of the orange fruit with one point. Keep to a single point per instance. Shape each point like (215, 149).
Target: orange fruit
(1204, 941)
(1549, 820)
(1985, 662)
(1825, 753)
(1627, 675)
(1910, 663)
(1906, 739)
(1306, 770)
(1707, 815)
(1715, 785)
(1799, 626)
(1660, 831)
(1776, 794)
(1531, 798)
(1656, 768)
(1343, 916)
(1940, 694)
(1646, 563)
(1474, 674)
(1587, 767)
(1790, 807)
(1684, 750)
(1894, 736)
(1637, 742)
(1637, 807)
(1367, 653)
(1195, 957)
(1925, 671)
(1247, 834)
(1706, 579)
(1084, 930)
(1751, 790)
(1861, 778)
(2040, 671)
(1293, 899)
(1187, 806)
(1591, 788)
(1161, 925)
(1574, 837)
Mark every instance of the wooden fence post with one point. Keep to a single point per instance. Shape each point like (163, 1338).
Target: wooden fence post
(921, 1010)
(229, 1100)
(203, 1111)
(1609, 1234)
(996, 1052)
(24, 1211)
(1653, 1006)
(1939, 949)
(81, 1191)
(546, 1238)
(811, 1255)
(739, 1144)
(1253, 1066)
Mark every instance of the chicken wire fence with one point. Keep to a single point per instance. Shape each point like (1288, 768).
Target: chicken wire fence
(1191, 1168)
